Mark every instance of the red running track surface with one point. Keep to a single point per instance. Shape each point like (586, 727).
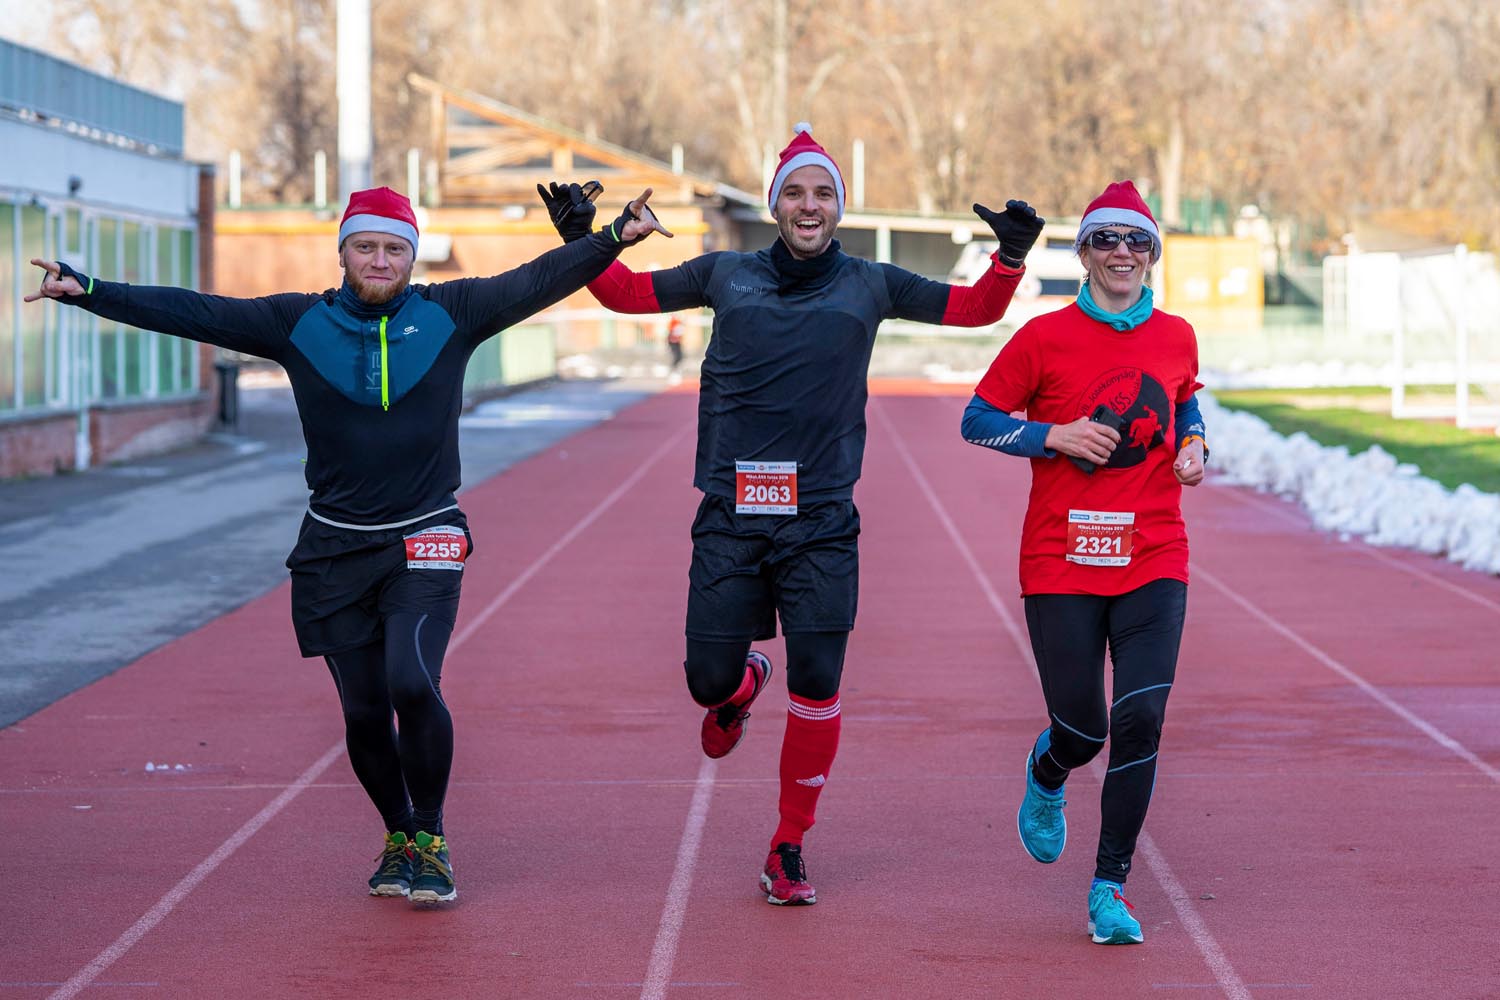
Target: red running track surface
(1323, 825)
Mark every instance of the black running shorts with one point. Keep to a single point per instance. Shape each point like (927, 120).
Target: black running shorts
(344, 582)
(748, 568)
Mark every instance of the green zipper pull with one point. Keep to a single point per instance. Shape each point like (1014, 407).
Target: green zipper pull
(385, 375)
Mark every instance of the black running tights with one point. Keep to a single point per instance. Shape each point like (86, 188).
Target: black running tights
(1142, 630)
(814, 666)
(395, 681)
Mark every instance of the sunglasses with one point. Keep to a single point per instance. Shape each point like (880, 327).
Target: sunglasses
(1136, 240)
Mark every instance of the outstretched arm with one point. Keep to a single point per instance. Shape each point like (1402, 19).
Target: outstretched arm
(487, 305)
(257, 326)
(985, 302)
(571, 209)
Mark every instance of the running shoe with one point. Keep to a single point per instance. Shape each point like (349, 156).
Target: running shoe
(393, 877)
(724, 727)
(434, 879)
(1110, 921)
(785, 878)
(1040, 821)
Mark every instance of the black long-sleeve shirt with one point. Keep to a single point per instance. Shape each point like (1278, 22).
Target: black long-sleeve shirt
(379, 389)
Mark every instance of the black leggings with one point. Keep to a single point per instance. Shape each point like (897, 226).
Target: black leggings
(405, 775)
(814, 665)
(1069, 633)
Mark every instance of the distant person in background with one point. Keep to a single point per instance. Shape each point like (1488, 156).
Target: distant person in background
(1113, 433)
(674, 346)
(377, 369)
(781, 438)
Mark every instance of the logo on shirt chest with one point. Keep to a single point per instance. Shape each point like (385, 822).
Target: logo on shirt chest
(747, 289)
(1143, 404)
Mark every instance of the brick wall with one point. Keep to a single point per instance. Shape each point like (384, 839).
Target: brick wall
(39, 446)
(43, 445)
(132, 430)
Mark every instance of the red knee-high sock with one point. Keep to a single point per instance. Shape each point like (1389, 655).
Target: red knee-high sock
(807, 752)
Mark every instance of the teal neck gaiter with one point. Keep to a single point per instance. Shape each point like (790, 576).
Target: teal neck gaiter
(1127, 320)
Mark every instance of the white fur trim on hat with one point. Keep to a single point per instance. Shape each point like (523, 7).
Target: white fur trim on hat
(378, 224)
(808, 159)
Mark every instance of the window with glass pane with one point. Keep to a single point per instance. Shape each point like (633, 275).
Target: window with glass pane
(33, 321)
(134, 348)
(167, 348)
(187, 271)
(11, 278)
(109, 331)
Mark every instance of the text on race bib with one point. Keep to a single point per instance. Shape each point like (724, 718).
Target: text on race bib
(1100, 537)
(765, 487)
(442, 547)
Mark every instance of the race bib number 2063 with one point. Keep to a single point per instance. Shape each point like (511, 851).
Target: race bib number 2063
(765, 487)
(442, 547)
(1100, 537)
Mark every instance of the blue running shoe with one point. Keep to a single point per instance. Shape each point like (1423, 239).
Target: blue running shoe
(397, 867)
(433, 882)
(1110, 921)
(1043, 828)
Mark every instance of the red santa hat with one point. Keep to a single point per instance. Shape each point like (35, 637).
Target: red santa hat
(1120, 205)
(803, 151)
(379, 210)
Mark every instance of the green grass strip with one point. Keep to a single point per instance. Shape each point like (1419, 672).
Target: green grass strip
(1346, 417)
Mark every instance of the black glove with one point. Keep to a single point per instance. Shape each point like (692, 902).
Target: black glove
(1016, 228)
(614, 229)
(570, 208)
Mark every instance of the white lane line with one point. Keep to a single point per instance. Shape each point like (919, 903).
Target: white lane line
(1439, 737)
(664, 951)
(572, 533)
(1298, 516)
(86, 975)
(206, 867)
(1213, 955)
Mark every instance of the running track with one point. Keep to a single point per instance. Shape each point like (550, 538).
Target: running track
(1324, 821)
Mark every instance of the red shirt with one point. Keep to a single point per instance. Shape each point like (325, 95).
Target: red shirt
(1121, 527)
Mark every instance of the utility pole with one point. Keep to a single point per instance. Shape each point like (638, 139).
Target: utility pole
(353, 91)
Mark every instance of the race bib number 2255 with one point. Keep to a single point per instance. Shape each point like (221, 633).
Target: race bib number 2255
(442, 547)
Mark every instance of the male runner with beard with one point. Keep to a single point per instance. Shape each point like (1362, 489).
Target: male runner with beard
(377, 369)
(781, 437)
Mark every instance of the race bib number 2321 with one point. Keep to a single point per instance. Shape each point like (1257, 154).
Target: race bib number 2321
(1100, 537)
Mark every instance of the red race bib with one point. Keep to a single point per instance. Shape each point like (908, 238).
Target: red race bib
(765, 487)
(442, 547)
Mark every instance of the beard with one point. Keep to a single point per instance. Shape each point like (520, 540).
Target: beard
(802, 244)
(373, 293)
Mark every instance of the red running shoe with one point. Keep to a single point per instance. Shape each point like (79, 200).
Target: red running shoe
(724, 727)
(785, 878)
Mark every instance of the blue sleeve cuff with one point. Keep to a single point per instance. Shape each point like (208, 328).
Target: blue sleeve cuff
(991, 427)
(1187, 420)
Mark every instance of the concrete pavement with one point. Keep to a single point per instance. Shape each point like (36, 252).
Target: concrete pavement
(105, 565)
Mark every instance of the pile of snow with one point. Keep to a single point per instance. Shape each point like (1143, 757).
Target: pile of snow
(1369, 495)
